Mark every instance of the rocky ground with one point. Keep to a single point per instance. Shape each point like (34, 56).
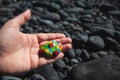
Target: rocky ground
(93, 25)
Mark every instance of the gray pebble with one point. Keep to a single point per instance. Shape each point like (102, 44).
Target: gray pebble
(102, 53)
(96, 43)
(10, 78)
(60, 64)
(85, 55)
(74, 61)
(37, 77)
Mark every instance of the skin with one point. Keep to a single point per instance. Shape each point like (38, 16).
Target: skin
(19, 52)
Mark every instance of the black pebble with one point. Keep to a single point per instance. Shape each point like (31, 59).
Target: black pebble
(10, 78)
(37, 77)
(96, 43)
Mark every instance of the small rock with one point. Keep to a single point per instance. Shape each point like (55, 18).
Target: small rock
(63, 14)
(74, 10)
(70, 53)
(106, 68)
(80, 3)
(85, 55)
(105, 7)
(65, 60)
(10, 78)
(103, 32)
(117, 36)
(54, 7)
(40, 3)
(47, 70)
(110, 42)
(78, 52)
(96, 43)
(94, 56)
(37, 77)
(79, 39)
(114, 13)
(102, 53)
(59, 64)
(74, 61)
(51, 16)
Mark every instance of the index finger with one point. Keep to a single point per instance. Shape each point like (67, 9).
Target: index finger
(49, 36)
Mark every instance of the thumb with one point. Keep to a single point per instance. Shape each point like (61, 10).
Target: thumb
(19, 20)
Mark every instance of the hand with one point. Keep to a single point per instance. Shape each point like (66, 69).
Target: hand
(19, 51)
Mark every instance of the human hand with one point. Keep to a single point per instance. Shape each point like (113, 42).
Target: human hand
(19, 52)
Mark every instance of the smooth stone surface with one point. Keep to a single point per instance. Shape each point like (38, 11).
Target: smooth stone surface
(106, 68)
(105, 7)
(70, 53)
(59, 64)
(10, 78)
(96, 43)
(74, 61)
(85, 55)
(114, 13)
(47, 70)
(78, 52)
(102, 53)
(37, 77)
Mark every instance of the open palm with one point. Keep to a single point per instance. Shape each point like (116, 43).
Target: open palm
(19, 52)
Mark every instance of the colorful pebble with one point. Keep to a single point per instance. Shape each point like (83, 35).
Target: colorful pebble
(51, 49)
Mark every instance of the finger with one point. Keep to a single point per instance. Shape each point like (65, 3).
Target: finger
(66, 47)
(44, 61)
(19, 20)
(62, 41)
(49, 36)
(61, 55)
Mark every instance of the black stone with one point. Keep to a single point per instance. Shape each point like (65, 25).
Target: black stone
(70, 53)
(106, 68)
(78, 52)
(59, 64)
(105, 7)
(47, 70)
(95, 43)
(74, 61)
(85, 55)
(102, 53)
(114, 13)
(10, 78)
(103, 32)
(37, 77)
